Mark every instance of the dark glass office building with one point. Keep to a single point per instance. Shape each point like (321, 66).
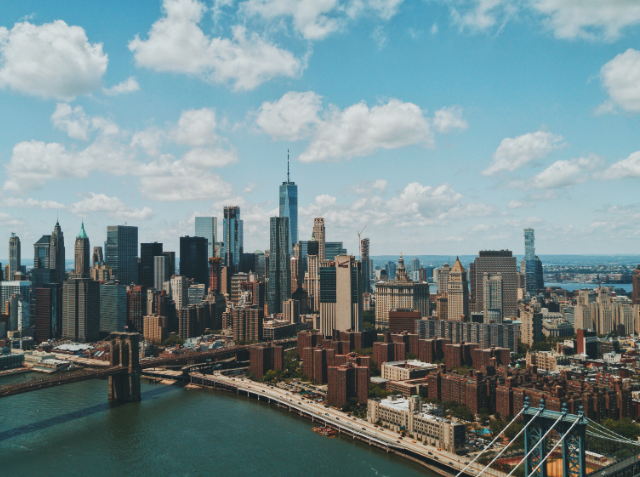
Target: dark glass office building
(279, 286)
(122, 253)
(194, 259)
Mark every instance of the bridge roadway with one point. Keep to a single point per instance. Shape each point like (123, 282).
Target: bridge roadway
(85, 374)
(358, 427)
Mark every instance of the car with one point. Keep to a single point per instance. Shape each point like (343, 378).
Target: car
(326, 413)
(430, 453)
(436, 457)
(414, 442)
(363, 429)
(398, 442)
(375, 425)
(450, 463)
(326, 407)
(338, 418)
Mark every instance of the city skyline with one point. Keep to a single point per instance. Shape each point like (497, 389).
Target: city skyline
(482, 135)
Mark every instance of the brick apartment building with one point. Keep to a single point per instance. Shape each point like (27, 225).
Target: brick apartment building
(349, 380)
(264, 358)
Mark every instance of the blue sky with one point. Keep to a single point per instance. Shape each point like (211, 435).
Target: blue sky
(445, 127)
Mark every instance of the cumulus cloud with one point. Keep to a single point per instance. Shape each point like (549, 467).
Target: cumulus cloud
(562, 174)
(127, 86)
(629, 167)
(111, 206)
(196, 127)
(176, 43)
(621, 79)
(7, 220)
(519, 204)
(448, 119)
(53, 60)
(73, 121)
(182, 184)
(476, 15)
(30, 203)
(291, 117)
(514, 153)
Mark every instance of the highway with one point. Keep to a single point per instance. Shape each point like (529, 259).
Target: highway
(360, 426)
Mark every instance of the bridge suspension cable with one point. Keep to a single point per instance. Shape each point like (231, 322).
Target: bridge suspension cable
(606, 433)
(564, 413)
(493, 442)
(553, 448)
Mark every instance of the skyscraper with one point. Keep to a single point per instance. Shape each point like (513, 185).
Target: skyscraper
(207, 227)
(341, 306)
(635, 296)
(113, 307)
(57, 255)
(41, 252)
(122, 253)
(161, 271)
(492, 297)
(289, 207)
(279, 286)
(312, 277)
(97, 258)
(366, 265)
(458, 293)
(498, 261)
(81, 253)
(81, 310)
(532, 266)
(48, 312)
(319, 235)
(15, 264)
(233, 238)
(194, 262)
(148, 253)
(333, 249)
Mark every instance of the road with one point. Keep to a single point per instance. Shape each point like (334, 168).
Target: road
(360, 425)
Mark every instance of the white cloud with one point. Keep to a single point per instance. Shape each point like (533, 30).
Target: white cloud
(519, 204)
(30, 203)
(359, 130)
(7, 220)
(183, 184)
(291, 117)
(176, 43)
(111, 206)
(53, 60)
(127, 86)
(629, 167)
(514, 153)
(591, 19)
(562, 174)
(149, 140)
(448, 119)
(434, 29)
(621, 78)
(478, 15)
(202, 158)
(73, 121)
(196, 127)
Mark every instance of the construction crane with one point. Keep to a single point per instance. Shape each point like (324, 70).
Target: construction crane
(360, 242)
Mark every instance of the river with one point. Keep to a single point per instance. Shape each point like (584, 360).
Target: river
(73, 431)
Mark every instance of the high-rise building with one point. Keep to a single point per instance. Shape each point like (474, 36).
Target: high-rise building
(48, 312)
(81, 254)
(341, 306)
(57, 255)
(264, 358)
(458, 293)
(180, 291)
(319, 235)
(289, 208)
(635, 295)
(498, 261)
(233, 239)
(161, 271)
(312, 278)
(207, 227)
(97, 257)
(113, 307)
(122, 253)
(171, 256)
(333, 249)
(15, 264)
(531, 266)
(41, 252)
(260, 266)
(531, 327)
(279, 285)
(248, 324)
(194, 262)
(136, 307)
(443, 278)
(148, 254)
(492, 297)
(81, 310)
(366, 265)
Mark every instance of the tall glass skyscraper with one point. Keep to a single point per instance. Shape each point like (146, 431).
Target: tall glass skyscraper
(279, 286)
(289, 207)
(122, 253)
(233, 237)
(207, 227)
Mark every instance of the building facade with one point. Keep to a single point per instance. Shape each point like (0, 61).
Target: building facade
(233, 238)
(207, 227)
(122, 253)
(341, 306)
(82, 254)
(279, 285)
(81, 310)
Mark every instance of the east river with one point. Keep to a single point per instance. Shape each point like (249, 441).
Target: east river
(73, 431)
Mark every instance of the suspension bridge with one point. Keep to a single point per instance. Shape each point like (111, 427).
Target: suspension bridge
(555, 445)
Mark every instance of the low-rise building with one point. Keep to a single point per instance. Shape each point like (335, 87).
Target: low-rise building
(409, 414)
(546, 360)
(405, 370)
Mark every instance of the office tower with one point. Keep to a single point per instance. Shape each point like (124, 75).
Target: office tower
(171, 257)
(443, 278)
(248, 324)
(215, 275)
(492, 297)
(57, 255)
(161, 271)
(247, 262)
(41, 252)
(260, 264)
(458, 293)
(180, 291)
(635, 295)
(48, 312)
(291, 311)
(312, 279)
(294, 269)
(341, 306)
(113, 307)
(415, 268)
(196, 293)
(81, 310)
(498, 261)
(207, 227)
(9, 288)
(279, 286)
(233, 237)
(15, 264)
(333, 249)
(148, 254)
(319, 235)
(531, 266)
(531, 327)
(122, 253)
(366, 265)
(97, 257)
(193, 259)
(289, 208)
(401, 293)
(81, 254)
(136, 307)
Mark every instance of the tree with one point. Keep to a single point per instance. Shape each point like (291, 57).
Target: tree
(377, 391)
(173, 340)
(408, 355)
(269, 376)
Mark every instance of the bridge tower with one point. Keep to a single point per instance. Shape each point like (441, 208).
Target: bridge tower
(125, 387)
(573, 446)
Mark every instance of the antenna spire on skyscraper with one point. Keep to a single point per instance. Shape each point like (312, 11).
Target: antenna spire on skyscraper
(288, 180)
